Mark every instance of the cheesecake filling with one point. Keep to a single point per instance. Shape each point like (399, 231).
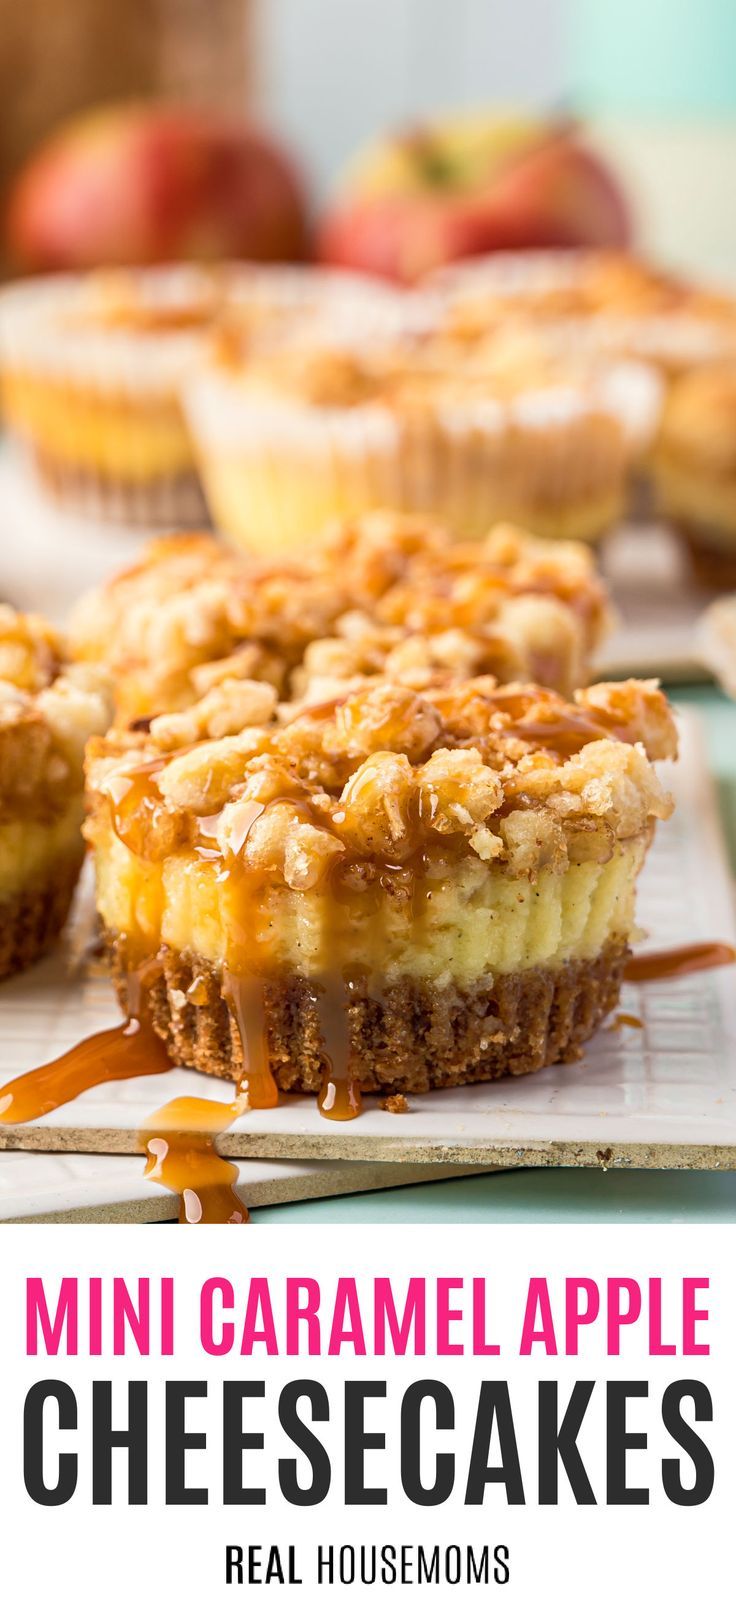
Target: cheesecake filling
(459, 923)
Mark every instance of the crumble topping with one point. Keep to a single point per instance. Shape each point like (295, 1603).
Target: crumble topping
(509, 774)
(48, 710)
(30, 651)
(192, 614)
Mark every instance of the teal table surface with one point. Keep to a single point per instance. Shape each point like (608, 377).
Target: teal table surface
(564, 1194)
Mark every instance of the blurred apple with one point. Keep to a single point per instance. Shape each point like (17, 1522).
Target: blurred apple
(151, 184)
(468, 185)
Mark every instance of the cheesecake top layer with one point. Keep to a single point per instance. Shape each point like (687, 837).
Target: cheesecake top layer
(562, 285)
(192, 613)
(383, 775)
(147, 326)
(515, 379)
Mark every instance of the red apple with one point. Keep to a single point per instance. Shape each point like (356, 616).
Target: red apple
(151, 184)
(467, 186)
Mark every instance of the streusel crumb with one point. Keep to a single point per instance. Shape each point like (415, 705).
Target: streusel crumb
(514, 775)
(386, 594)
(48, 709)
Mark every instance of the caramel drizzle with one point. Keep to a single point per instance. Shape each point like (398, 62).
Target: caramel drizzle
(136, 803)
(122, 1053)
(340, 1097)
(676, 961)
(180, 1142)
(245, 998)
(627, 1021)
(180, 1139)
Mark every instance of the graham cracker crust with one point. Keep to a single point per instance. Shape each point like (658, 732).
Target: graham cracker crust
(411, 1037)
(31, 921)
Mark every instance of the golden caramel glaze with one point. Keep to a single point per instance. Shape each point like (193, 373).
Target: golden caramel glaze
(675, 961)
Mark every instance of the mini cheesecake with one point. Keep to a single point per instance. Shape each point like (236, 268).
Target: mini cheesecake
(93, 367)
(302, 435)
(48, 710)
(402, 889)
(694, 469)
(192, 614)
(598, 301)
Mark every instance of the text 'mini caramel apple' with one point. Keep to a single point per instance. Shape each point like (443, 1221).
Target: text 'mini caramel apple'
(390, 891)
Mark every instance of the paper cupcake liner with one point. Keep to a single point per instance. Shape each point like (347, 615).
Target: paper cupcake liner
(48, 328)
(176, 501)
(99, 405)
(276, 471)
(97, 409)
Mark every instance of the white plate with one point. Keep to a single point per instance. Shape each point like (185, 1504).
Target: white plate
(661, 1095)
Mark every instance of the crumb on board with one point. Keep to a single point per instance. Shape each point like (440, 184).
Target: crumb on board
(395, 1105)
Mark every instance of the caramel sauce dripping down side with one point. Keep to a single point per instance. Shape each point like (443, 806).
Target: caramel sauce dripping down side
(246, 999)
(340, 1097)
(676, 961)
(180, 1142)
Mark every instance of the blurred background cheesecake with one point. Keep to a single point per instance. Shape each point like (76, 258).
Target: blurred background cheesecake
(389, 138)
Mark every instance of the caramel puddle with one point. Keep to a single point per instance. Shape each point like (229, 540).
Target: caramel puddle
(675, 961)
(627, 1020)
(180, 1141)
(122, 1053)
(340, 1099)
